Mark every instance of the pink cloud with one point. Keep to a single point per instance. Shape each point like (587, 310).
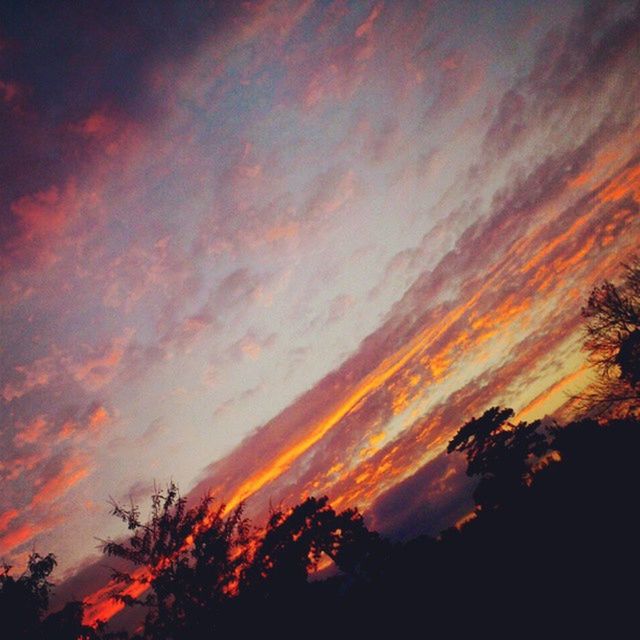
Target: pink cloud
(28, 377)
(100, 366)
(50, 488)
(251, 346)
(9, 91)
(339, 306)
(32, 432)
(25, 532)
(7, 517)
(45, 213)
(331, 191)
(367, 26)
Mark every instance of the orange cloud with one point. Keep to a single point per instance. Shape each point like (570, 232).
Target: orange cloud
(624, 185)
(32, 432)
(37, 374)
(7, 517)
(45, 213)
(15, 538)
(367, 26)
(51, 489)
(100, 367)
(98, 417)
(24, 533)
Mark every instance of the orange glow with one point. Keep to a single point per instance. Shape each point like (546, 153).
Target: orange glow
(551, 245)
(98, 417)
(32, 432)
(550, 395)
(372, 382)
(58, 485)
(22, 534)
(395, 375)
(365, 28)
(627, 184)
(7, 517)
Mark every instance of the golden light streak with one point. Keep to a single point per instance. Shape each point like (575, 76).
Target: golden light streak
(543, 402)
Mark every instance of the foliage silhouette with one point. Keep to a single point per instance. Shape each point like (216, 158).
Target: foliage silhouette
(553, 543)
(500, 452)
(24, 602)
(612, 326)
(25, 599)
(192, 558)
(294, 542)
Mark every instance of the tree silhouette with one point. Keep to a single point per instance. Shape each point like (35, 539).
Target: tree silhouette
(612, 317)
(66, 624)
(500, 452)
(294, 542)
(192, 556)
(24, 600)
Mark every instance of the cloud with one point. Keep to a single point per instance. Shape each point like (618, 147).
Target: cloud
(28, 377)
(236, 288)
(509, 124)
(100, 365)
(339, 306)
(482, 316)
(32, 432)
(383, 142)
(250, 346)
(97, 417)
(462, 75)
(155, 430)
(248, 394)
(186, 331)
(39, 221)
(6, 517)
(205, 218)
(428, 501)
(595, 55)
(366, 27)
(17, 537)
(58, 479)
(330, 192)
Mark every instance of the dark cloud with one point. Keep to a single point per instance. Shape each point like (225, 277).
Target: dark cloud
(509, 123)
(75, 56)
(597, 54)
(62, 63)
(431, 499)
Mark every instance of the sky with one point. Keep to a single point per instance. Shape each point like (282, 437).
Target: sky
(274, 249)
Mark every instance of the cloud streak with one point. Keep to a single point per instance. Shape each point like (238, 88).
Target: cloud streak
(304, 240)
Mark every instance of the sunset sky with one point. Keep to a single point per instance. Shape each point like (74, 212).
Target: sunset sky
(286, 248)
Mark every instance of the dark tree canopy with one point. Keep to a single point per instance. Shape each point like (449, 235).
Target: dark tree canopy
(500, 452)
(192, 556)
(24, 602)
(25, 599)
(612, 318)
(203, 566)
(294, 542)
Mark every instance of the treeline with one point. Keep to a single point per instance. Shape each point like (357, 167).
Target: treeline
(551, 547)
(552, 541)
